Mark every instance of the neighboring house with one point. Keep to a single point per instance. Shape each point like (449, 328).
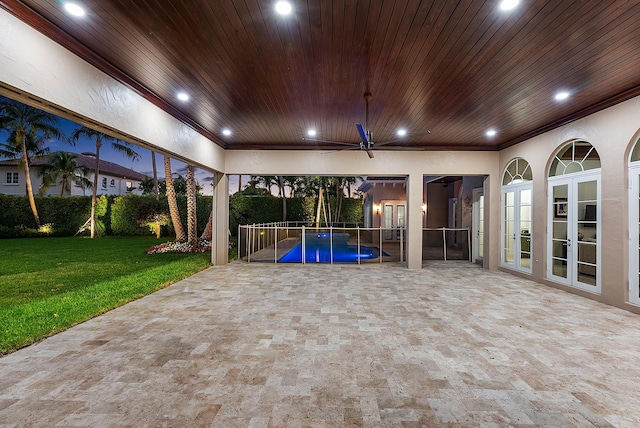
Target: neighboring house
(113, 179)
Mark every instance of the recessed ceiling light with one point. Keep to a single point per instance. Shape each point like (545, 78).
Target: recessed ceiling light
(491, 133)
(401, 132)
(311, 132)
(226, 132)
(562, 95)
(509, 4)
(284, 7)
(183, 96)
(74, 9)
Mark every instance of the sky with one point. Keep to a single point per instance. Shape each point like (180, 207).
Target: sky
(142, 165)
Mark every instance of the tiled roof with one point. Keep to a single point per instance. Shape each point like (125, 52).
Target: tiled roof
(89, 161)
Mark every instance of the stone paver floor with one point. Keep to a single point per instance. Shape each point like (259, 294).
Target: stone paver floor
(260, 345)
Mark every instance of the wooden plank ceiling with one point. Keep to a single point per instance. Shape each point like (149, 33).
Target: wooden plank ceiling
(455, 68)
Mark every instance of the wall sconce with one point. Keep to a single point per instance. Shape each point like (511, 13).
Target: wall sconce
(424, 209)
(377, 208)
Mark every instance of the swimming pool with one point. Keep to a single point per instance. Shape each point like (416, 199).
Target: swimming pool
(317, 249)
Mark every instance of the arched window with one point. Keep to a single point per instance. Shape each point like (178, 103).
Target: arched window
(576, 156)
(573, 252)
(517, 172)
(516, 222)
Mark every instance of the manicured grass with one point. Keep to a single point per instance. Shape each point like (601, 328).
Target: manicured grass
(50, 284)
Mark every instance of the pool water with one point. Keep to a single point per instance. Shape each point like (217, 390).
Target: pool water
(318, 250)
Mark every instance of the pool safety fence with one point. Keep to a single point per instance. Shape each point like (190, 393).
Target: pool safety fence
(289, 243)
(446, 244)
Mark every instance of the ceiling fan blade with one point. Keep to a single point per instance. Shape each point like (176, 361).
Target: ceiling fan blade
(370, 153)
(363, 135)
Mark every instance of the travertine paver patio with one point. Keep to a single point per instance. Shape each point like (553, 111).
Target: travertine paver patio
(265, 345)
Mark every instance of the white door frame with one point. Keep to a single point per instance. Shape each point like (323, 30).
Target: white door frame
(572, 182)
(477, 228)
(634, 231)
(517, 190)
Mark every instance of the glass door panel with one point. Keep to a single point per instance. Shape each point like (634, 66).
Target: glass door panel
(560, 241)
(587, 231)
(524, 254)
(478, 225)
(388, 222)
(508, 227)
(400, 216)
(634, 233)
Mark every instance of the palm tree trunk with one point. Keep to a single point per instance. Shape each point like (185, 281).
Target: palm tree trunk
(173, 204)
(94, 192)
(192, 225)
(27, 179)
(319, 208)
(284, 200)
(156, 190)
(208, 230)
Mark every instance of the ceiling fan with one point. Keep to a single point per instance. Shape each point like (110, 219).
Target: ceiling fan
(366, 139)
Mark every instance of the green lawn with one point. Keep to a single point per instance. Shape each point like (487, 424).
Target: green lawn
(50, 284)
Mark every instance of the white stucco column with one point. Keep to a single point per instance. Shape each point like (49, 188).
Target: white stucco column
(414, 221)
(220, 207)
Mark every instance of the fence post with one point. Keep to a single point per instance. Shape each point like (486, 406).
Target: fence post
(304, 255)
(330, 244)
(444, 243)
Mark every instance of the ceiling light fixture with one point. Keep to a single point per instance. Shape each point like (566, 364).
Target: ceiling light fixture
(401, 132)
(509, 4)
(311, 133)
(561, 96)
(226, 132)
(491, 133)
(182, 96)
(284, 8)
(74, 9)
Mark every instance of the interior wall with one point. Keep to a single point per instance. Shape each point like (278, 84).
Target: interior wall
(437, 212)
(612, 132)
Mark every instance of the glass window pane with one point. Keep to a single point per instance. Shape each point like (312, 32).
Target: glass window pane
(587, 274)
(587, 253)
(559, 230)
(510, 198)
(559, 268)
(587, 191)
(635, 154)
(560, 249)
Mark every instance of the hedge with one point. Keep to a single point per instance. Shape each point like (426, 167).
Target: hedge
(132, 214)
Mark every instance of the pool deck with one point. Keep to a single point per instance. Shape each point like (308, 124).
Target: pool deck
(266, 345)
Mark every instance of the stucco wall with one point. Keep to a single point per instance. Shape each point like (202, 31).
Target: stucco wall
(612, 132)
(35, 65)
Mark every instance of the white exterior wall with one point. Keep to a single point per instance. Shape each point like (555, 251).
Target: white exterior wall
(119, 187)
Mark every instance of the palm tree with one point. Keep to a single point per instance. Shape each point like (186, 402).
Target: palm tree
(117, 144)
(63, 169)
(192, 226)
(156, 189)
(173, 204)
(28, 128)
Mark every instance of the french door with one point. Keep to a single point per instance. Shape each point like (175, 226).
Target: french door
(634, 234)
(393, 220)
(573, 252)
(516, 227)
(478, 225)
